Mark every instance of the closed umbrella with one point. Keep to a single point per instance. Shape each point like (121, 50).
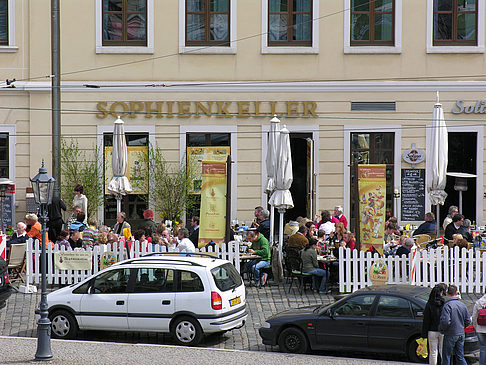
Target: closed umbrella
(271, 162)
(282, 198)
(438, 157)
(119, 184)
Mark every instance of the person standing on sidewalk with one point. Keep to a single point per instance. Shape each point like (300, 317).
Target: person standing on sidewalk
(453, 320)
(430, 324)
(480, 330)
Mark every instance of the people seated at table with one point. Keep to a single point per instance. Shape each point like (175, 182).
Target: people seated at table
(260, 247)
(72, 218)
(390, 247)
(321, 242)
(456, 226)
(75, 240)
(453, 210)
(297, 241)
(348, 239)
(326, 225)
(390, 232)
(429, 226)
(78, 224)
(19, 236)
(182, 241)
(311, 266)
(34, 228)
(311, 231)
(263, 226)
(291, 228)
(405, 247)
(90, 234)
(120, 224)
(338, 214)
(63, 239)
(338, 234)
(393, 220)
(148, 221)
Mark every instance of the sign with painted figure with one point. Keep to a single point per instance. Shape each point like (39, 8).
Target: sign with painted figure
(73, 260)
(372, 205)
(135, 168)
(379, 272)
(213, 203)
(195, 157)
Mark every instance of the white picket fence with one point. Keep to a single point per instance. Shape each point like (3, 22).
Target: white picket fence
(464, 268)
(230, 252)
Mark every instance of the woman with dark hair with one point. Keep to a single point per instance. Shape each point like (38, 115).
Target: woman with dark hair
(311, 231)
(311, 266)
(80, 200)
(430, 324)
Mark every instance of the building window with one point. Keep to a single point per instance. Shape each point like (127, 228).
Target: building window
(124, 22)
(4, 155)
(207, 22)
(290, 22)
(4, 23)
(372, 22)
(455, 22)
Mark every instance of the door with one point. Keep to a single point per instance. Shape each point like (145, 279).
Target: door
(346, 325)
(151, 304)
(392, 324)
(105, 305)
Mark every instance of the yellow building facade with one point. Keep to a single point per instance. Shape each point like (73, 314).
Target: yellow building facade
(353, 81)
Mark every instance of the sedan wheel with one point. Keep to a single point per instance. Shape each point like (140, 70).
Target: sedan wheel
(186, 331)
(63, 325)
(293, 340)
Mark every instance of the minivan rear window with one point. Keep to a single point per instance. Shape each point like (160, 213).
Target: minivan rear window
(226, 277)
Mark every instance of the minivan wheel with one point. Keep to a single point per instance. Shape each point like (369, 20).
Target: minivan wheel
(186, 331)
(63, 325)
(293, 340)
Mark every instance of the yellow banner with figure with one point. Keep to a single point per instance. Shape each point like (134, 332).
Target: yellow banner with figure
(213, 203)
(372, 206)
(73, 260)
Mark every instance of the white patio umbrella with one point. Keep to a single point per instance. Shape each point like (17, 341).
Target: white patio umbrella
(119, 184)
(438, 159)
(271, 162)
(281, 197)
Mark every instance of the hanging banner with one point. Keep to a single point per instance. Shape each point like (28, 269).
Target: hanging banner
(213, 203)
(195, 156)
(135, 168)
(372, 205)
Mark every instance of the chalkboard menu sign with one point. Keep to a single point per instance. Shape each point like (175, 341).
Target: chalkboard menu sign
(413, 195)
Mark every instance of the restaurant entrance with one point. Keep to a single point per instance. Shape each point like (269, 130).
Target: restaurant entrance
(302, 147)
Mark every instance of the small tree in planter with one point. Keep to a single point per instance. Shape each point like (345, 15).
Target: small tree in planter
(81, 167)
(169, 184)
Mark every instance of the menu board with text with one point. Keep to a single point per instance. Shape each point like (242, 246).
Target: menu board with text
(413, 195)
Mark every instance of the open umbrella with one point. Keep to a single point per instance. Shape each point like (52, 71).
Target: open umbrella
(119, 184)
(281, 198)
(271, 162)
(438, 157)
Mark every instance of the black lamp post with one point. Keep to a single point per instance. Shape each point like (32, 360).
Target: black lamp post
(43, 187)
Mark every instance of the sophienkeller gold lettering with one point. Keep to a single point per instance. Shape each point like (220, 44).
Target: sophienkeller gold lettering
(218, 109)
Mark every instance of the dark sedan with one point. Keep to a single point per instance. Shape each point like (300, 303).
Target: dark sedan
(5, 290)
(385, 319)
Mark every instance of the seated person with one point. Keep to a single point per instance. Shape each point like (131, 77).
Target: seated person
(456, 226)
(263, 226)
(321, 243)
(348, 240)
(260, 247)
(20, 236)
(390, 232)
(297, 241)
(429, 226)
(63, 239)
(34, 228)
(78, 224)
(90, 234)
(406, 247)
(75, 240)
(311, 266)
(326, 225)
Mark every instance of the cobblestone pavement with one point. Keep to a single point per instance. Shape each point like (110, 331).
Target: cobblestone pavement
(17, 319)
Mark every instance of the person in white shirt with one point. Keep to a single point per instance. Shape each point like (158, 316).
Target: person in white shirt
(184, 244)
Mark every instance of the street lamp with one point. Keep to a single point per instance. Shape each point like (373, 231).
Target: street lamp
(43, 187)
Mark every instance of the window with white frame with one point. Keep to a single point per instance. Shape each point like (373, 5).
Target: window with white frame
(7, 26)
(455, 26)
(290, 26)
(372, 26)
(124, 26)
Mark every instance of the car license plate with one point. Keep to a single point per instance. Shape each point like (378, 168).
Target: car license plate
(235, 301)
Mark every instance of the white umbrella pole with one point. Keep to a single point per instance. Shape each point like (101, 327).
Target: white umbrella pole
(272, 225)
(280, 232)
(437, 220)
(118, 198)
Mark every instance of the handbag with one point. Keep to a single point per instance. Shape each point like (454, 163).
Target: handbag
(482, 317)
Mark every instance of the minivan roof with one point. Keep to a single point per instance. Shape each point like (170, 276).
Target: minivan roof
(192, 259)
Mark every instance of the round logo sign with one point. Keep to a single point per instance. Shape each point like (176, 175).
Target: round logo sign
(413, 155)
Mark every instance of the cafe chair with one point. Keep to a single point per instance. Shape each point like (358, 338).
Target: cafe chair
(16, 262)
(303, 279)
